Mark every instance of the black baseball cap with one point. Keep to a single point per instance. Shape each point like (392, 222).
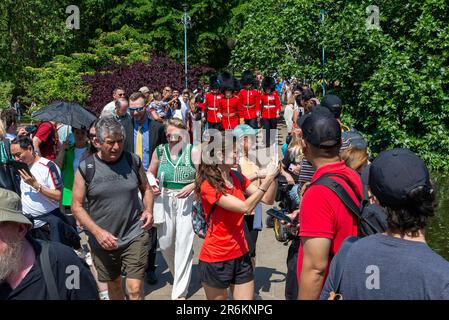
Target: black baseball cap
(353, 138)
(322, 131)
(333, 103)
(318, 109)
(393, 174)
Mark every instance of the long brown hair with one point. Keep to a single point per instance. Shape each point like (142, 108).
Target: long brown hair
(210, 172)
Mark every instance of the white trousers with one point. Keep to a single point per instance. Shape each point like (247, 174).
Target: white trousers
(176, 240)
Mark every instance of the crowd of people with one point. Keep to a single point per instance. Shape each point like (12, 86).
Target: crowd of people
(128, 184)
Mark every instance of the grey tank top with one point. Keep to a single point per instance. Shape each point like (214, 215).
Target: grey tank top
(113, 200)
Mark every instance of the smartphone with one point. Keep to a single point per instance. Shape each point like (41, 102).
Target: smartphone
(18, 165)
(277, 214)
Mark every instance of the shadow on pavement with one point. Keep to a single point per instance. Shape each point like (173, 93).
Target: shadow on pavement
(262, 278)
(163, 275)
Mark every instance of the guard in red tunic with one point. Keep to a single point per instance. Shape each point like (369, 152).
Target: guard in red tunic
(211, 105)
(230, 103)
(249, 100)
(271, 107)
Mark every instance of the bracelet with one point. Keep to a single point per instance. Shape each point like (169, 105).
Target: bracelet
(39, 189)
(262, 189)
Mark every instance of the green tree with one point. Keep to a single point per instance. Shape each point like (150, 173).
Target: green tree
(160, 21)
(61, 78)
(393, 82)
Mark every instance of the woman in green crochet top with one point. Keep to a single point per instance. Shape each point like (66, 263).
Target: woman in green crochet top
(173, 165)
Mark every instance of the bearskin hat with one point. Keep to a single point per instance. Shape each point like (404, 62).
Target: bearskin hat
(213, 82)
(226, 81)
(269, 83)
(247, 78)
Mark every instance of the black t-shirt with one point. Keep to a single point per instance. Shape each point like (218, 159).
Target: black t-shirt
(65, 265)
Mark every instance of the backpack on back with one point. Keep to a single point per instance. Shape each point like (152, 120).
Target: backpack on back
(371, 217)
(134, 163)
(199, 222)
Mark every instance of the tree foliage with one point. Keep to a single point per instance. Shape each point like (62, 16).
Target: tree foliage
(160, 71)
(394, 82)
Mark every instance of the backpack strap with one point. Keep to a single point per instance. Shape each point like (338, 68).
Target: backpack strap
(135, 163)
(239, 177)
(210, 213)
(47, 271)
(90, 169)
(341, 192)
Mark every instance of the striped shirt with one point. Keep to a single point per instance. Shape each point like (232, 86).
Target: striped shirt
(307, 171)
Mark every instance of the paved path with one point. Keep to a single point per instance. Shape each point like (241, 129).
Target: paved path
(269, 274)
(270, 270)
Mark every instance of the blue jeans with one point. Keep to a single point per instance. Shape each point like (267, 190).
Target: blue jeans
(294, 195)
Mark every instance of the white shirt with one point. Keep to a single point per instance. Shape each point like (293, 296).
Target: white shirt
(288, 116)
(178, 114)
(184, 110)
(10, 136)
(108, 109)
(35, 203)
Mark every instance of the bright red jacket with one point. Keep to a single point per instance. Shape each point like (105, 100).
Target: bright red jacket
(211, 107)
(250, 103)
(271, 105)
(230, 110)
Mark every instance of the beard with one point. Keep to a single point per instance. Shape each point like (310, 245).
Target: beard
(10, 259)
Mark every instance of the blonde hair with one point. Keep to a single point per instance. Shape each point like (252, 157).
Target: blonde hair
(174, 122)
(355, 158)
(295, 149)
(2, 130)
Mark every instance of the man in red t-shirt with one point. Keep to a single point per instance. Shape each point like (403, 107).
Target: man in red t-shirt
(324, 220)
(45, 140)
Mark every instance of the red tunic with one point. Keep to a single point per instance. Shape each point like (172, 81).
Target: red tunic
(230, 111)
(250, 103)
(271, 105)
(211, 105)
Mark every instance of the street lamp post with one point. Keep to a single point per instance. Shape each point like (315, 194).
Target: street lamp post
(185, 22)
(322, 15)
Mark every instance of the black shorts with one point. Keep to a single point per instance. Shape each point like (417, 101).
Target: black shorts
(224, 273)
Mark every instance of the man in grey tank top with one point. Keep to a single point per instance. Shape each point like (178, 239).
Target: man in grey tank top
(110, 181)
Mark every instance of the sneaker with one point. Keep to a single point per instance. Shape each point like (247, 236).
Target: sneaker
(104, 295)
(151, 277)
(88, 259)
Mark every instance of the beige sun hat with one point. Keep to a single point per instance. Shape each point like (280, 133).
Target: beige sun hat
(11, 208)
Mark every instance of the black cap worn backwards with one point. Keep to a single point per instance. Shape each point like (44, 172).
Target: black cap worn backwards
(322, 131)
(393, 174)
(333, 103)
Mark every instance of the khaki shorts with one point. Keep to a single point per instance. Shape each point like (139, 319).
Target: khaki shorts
(131, 260)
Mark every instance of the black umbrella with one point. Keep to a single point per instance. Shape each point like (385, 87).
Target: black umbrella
(71, 114)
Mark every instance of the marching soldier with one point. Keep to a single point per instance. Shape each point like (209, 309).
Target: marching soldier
(271, 107)
(211, 106)
(249, 100)
(229, 105)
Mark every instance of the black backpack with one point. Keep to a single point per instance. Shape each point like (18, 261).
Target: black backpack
(133, 160)
(372, 218)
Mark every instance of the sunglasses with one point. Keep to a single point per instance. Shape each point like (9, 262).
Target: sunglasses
(136, 109)
(121, 94)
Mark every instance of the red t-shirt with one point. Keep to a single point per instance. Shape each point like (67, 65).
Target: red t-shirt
(225, 238)
(46, 133)
(323, 214)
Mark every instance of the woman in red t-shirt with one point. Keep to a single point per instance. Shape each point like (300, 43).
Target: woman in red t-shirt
(224, 259)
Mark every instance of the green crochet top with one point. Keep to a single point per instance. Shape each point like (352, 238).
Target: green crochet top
(179, 173)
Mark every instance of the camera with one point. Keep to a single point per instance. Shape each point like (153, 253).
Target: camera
(283, 232)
